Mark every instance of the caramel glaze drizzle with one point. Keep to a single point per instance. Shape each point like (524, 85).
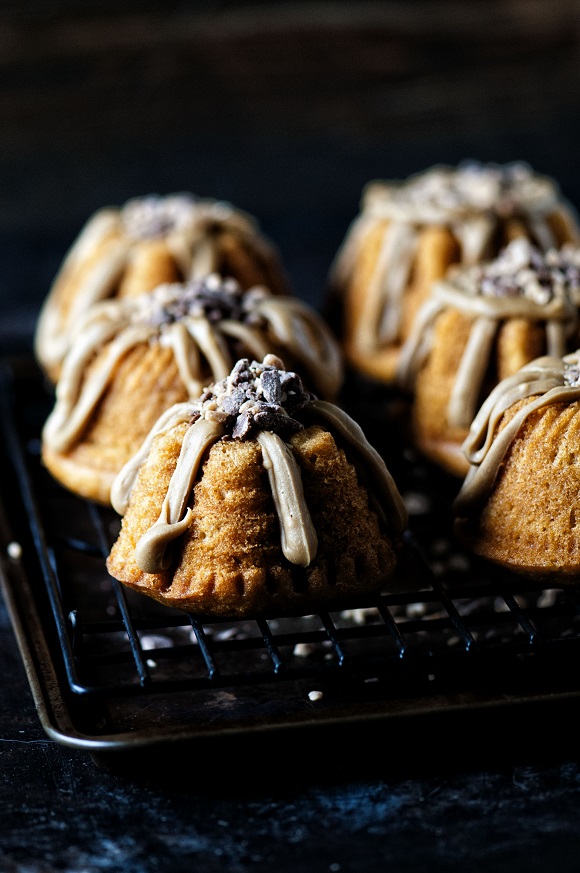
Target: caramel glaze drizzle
(559, 314)
(543, 379)
(379, 323)
(193, 339)
(297, 534)
(195, 252)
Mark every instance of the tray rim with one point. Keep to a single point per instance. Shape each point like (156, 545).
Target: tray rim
(49, 695)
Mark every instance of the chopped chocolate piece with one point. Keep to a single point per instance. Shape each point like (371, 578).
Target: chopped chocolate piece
(268, 416)
(240, 372)
(271, 386)
(242, 426)
(572, 375)
(231, 402)
(256, 396)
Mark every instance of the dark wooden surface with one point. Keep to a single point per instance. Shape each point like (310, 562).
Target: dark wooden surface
(286, 109)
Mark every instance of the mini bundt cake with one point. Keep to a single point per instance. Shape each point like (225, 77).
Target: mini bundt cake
(256, 499)
(479, 326)
(408, 233)
(123, 251)
(519, 503)
(132, 358)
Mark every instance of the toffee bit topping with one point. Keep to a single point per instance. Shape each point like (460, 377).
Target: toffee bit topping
(212, 297)
(156, 216)
(504, 189)
(521, 270)
(572, 374)
(255, 396)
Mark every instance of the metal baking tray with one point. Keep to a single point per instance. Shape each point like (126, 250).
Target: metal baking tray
(452, 644)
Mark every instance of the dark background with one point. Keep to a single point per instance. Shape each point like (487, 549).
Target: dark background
(286, 110)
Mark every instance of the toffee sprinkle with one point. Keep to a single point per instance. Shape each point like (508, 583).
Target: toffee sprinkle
(522, 270)
(212, 297)
(501, 188)
(156, 216)
(255, 396)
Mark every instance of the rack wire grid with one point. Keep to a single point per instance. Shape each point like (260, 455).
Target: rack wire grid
(112, 669)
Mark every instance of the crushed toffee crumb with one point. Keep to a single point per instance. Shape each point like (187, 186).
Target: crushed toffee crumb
(255, 396)
(212, 297)
(522, 270)
(156, 216)
(500, 188)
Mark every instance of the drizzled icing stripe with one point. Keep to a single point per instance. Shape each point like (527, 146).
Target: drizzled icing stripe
(559, 314)
(105, 222)
(397, 257)
(251, 338)
(186, 356)
(306, 335)
(541, 230)
(342, 267)
(471, 373)
(381, 315)
(195, 252)
(51, 341)
(68, 419)
(379, 477)
(473, 237)
(473, 234)
(297, 533)
(195, 343)
(544, 379)
(124, 482)
(382, 312)
(203, 258)
(211, 344)
(151, 553)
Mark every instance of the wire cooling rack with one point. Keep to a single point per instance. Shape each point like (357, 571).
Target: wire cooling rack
(112, 670)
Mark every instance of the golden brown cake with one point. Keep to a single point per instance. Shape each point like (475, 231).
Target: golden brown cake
(407, 235)
(132, 358)
(478, 326)
(256, 499)
(519, 503)
(123, 251)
